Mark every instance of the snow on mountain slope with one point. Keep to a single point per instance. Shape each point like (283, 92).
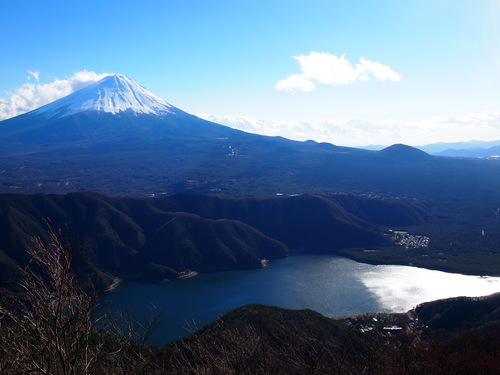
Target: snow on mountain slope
(112, 94)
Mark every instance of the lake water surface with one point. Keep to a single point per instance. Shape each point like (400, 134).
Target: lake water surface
(328, 284)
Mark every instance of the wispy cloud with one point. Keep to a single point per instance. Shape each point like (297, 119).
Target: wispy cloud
(357, 132)
(35, 75)
(30, 95)
(328, 69)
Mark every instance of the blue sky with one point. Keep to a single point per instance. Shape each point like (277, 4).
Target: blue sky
(347, 72)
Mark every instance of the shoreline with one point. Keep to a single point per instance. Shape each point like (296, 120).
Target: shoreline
(265, 263)
(116, 281)
(417, 264)
(187, 275)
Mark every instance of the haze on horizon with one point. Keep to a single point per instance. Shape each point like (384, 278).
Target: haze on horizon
(344, 72)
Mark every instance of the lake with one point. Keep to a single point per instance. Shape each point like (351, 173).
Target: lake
(329, 284)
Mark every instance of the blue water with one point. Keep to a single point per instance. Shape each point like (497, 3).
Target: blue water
(330, 285)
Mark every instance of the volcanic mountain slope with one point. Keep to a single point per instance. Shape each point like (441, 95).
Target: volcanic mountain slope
(116, 137)
(113, 110)
(118, 111)
(159, 237)
(113, 94)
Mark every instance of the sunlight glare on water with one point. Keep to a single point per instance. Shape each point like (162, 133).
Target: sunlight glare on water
(400, 288)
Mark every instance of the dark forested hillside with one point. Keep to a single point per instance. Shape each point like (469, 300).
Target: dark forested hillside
(318, 222)
(160, 237)
(258, 339)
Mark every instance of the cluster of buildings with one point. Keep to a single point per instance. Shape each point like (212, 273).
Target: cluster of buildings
(409, 241)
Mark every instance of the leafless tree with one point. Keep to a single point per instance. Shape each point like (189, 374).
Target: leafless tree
(55, 325)
(292, 348)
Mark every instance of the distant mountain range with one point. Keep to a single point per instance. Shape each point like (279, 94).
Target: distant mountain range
(490, 152)
(471, 149)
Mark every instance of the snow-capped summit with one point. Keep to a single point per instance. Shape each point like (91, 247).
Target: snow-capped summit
(113, 94)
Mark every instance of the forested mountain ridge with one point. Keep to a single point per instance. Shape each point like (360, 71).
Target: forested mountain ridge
(160, 237)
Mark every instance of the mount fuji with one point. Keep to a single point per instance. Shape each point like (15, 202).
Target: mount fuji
(115, 137)
(113, 94)
(114, 109)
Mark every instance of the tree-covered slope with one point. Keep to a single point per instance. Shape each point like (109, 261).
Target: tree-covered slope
(159, 237)
(257, 339)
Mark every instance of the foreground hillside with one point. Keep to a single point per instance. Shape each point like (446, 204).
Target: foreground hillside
(57, 326)
(161, 238)
(453, 336)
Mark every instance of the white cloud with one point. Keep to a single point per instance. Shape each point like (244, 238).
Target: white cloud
(379, 71)
(35, 75)
(30, 96)
(296, 82)
(332, 70)
(356, 132)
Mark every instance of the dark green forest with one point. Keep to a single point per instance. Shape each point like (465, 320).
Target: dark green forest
(160, 238)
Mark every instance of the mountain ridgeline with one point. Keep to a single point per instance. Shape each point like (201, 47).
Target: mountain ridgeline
(158, 238)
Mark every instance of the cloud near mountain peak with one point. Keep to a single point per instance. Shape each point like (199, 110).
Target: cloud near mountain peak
(329, 69)
(30, 95)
